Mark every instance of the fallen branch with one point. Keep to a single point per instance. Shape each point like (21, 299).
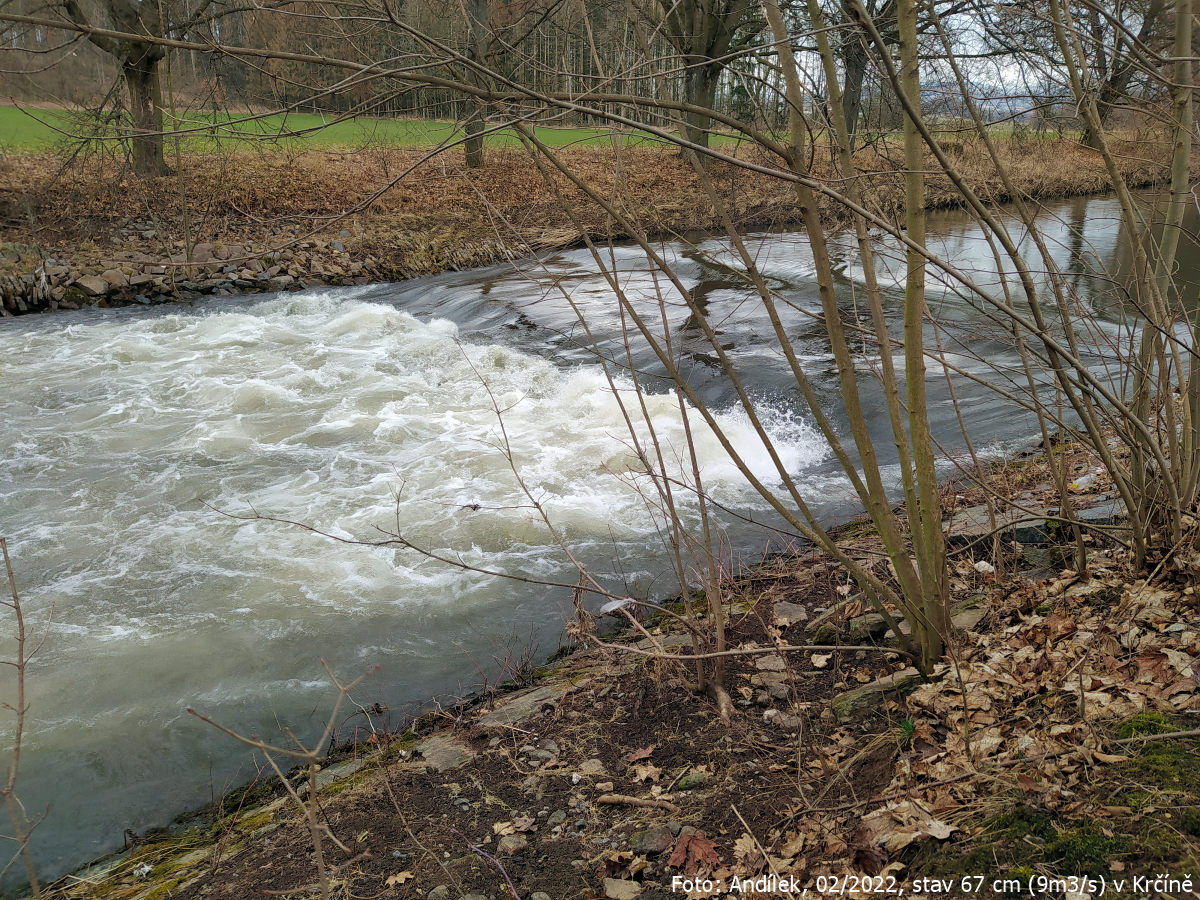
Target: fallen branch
(626, 800)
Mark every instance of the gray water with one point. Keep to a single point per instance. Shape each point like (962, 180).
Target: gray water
(130, 437)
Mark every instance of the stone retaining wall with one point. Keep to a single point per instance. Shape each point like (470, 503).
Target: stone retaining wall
(31, 283)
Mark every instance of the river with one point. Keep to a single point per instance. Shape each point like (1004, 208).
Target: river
(131, 436)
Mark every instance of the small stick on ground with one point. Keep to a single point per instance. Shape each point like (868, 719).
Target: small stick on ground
(626, 800)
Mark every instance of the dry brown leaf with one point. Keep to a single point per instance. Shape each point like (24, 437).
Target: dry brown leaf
(614, 864)
(746, 852)
(398, 878)
(693, 850)
(635, 755)
(646, 773)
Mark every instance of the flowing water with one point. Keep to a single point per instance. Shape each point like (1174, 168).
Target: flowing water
(134, 439)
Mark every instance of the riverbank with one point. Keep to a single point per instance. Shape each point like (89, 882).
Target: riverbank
(85, 233)
(1059, 743)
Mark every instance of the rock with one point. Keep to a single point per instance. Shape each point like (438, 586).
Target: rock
(789, 613)
(512, 844)
(557, 817)
(443, 752)
(591, 767)
(867, 626)
(666, 641)
(280, 282)
(653, 840)
(774, 684)
(337, 245)
(771, 662)
(115, 278)
(472, 897)
(967, 619)
(857, 702)
(522, 706)
(92, 285)
(973, 524)
(618, 889)
(825, 633)
(539, 895)
(1109, 512)
(783, 720)
(441, 892)
(692, 780)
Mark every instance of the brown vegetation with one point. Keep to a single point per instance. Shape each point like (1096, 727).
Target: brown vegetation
(408, 215)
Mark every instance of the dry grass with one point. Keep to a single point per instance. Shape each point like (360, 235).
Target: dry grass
(411, 215)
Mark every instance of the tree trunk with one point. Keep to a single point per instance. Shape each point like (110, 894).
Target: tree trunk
(479, 46)
(140, 68)
(854, 60)
(700, 89)
(473, 145)
(1104, 105)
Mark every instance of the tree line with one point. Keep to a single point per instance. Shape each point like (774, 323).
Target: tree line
(706, 54)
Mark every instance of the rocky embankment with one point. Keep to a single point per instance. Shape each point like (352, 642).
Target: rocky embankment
(34, 283)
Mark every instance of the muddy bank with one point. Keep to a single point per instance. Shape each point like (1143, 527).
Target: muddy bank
(88, 234)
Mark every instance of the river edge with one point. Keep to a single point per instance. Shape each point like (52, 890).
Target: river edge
(603, 775)
(87, 235)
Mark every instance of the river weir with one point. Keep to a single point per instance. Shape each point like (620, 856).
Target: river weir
(143, 446)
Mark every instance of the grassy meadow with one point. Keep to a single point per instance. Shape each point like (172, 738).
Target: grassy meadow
(42, 130)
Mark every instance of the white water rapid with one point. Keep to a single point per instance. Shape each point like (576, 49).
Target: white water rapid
(128, 437)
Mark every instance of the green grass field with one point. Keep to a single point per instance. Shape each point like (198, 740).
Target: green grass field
(41, 130)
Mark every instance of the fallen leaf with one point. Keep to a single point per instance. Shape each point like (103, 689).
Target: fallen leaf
(1029, 785)
(646, 773)
(634, 755)
(398, 878)
(692, 850)
(870, 860)
(820, 660)
(523, 823)
(614, 864)
(745, 851)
